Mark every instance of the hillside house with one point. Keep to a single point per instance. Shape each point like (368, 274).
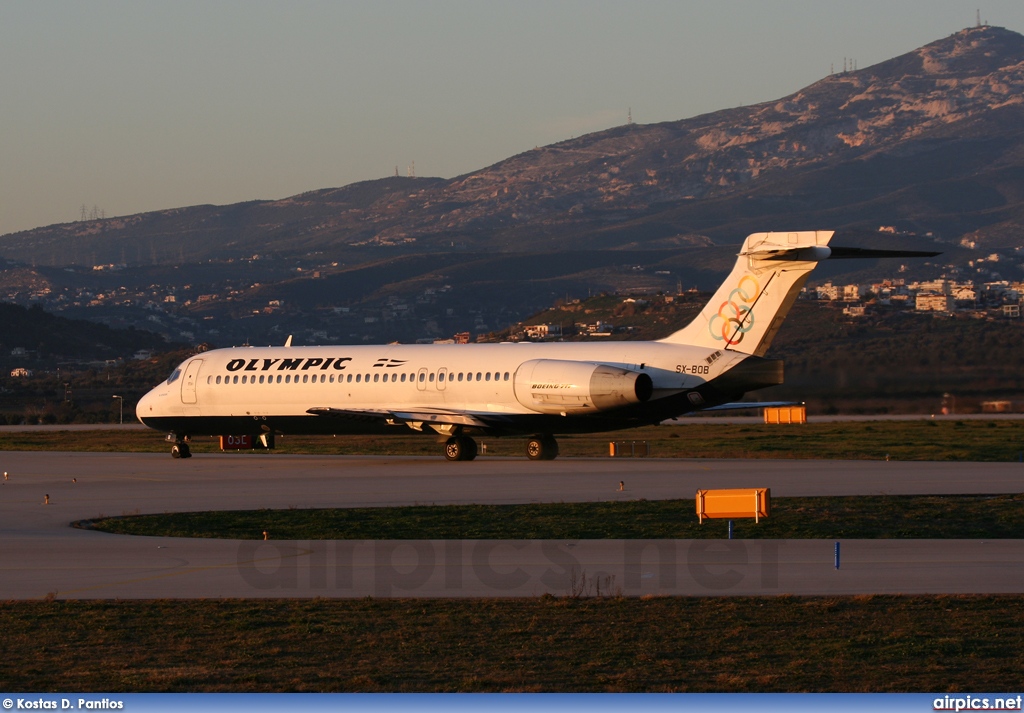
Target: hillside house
(543, 331)
(930, 302)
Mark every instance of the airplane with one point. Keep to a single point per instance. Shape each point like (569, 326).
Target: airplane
(520, 389)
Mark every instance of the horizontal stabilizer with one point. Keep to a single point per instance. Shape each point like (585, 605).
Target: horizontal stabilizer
(841, 253)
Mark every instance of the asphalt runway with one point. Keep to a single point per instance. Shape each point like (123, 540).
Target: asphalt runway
(42, 555)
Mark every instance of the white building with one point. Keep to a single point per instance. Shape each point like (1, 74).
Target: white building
(926, 302)
(543, 331)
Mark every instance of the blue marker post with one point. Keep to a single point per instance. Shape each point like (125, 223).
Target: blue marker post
(730, 529)
(837, 555)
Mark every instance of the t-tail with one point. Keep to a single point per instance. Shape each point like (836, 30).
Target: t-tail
(750, 306)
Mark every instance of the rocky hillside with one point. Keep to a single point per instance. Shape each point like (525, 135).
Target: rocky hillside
(930, 142)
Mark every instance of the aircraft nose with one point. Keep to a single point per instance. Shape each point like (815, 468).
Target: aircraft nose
(145, 407)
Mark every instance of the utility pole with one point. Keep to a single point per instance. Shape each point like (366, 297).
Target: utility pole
(120, 400)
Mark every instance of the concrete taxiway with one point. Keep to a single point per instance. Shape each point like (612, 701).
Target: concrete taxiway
(42, 555)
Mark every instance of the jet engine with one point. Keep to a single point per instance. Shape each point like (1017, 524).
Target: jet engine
(574, 387)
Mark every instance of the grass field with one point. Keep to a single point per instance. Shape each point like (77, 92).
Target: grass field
(868, 643)
(938, 517)
(549, 644)
(871, 440)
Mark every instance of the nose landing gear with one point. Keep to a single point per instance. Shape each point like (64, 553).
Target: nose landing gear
(180, 448)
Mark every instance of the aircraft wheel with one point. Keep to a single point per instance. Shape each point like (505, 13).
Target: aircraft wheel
(454, 449)
(181, 450)
(460, 448)
(470, 448)
(542, 448)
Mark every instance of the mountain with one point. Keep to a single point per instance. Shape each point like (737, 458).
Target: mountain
(930, 142)
(32, 337)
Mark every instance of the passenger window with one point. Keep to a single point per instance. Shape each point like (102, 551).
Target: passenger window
(423, 377)
(440, 377)
(506, 376)
(403, 378)
(279, 378)
(376, 378)
(431, 378)
(218, 379)
(245, 379)
(349, 379)
(487, 376)
(234, 380)
(359, 378)
(478, 376)
(460, 376)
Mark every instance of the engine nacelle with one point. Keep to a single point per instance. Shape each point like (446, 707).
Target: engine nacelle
(564, 387)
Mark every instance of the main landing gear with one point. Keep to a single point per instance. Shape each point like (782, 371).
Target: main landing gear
(542, 448)
(537, 448)
(180, 448)
(460, 448)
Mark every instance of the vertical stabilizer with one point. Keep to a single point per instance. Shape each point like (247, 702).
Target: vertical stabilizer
(750, 306)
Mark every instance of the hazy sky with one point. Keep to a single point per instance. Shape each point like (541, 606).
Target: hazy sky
(134, 106)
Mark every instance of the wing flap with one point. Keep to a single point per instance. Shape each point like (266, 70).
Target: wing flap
(454, 418)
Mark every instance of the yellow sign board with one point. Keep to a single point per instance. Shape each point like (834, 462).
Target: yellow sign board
(735, 503)
(785, 414)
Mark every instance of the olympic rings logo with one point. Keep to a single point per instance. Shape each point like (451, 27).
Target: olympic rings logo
(734, 318)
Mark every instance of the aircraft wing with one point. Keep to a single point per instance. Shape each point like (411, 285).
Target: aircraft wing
(739, 405)
(427, 416)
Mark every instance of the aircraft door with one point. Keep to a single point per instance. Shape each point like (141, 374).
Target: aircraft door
(442, 377)
(188, 382)
(421, 379)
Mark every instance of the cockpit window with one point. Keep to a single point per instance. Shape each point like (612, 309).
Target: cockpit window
(174, 376)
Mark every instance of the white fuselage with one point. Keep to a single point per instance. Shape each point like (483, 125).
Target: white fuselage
(474, 378)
